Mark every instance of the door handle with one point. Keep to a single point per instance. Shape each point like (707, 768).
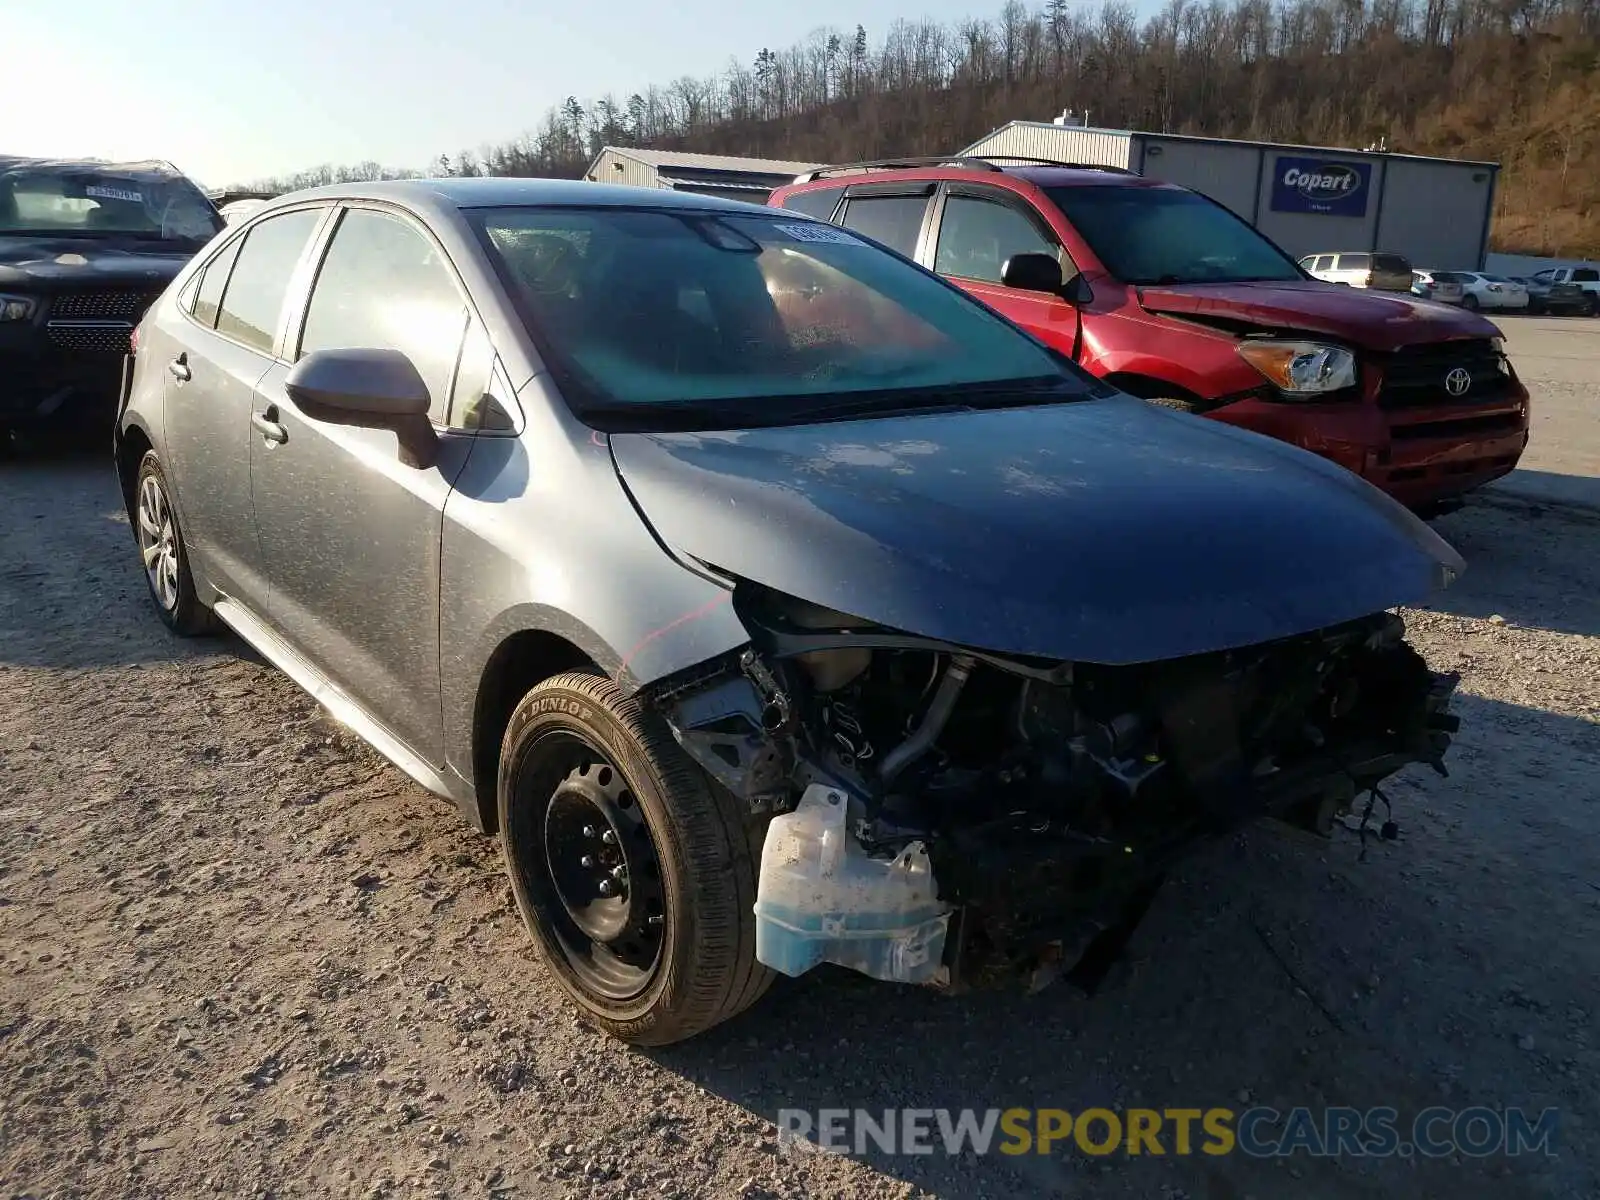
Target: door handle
(179, 367)
(267, 427)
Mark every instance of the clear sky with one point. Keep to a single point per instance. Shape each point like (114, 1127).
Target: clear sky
(234, 90)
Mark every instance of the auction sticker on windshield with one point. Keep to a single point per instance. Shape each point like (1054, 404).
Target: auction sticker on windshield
(819, 233)
(99, 192)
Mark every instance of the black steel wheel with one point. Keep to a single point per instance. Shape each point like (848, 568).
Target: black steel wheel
(635, 875)
(602, 877)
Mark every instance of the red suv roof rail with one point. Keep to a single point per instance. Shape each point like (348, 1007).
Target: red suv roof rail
(985, 162)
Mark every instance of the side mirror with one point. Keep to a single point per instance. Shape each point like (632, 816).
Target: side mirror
(1032, 273)
(1042, 273)
(370, 389)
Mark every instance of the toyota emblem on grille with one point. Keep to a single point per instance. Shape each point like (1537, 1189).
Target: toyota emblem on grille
(1457, 381)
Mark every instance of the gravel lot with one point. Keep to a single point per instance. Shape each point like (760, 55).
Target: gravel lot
(241, 956)
(1559, 359)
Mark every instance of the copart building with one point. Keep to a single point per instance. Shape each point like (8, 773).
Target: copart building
(1308, 199)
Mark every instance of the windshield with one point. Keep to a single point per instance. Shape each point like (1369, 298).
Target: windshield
(64, 199)
(1166, 235)
(766, 313)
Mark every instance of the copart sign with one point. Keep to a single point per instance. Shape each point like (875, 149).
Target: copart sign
(1315, 185)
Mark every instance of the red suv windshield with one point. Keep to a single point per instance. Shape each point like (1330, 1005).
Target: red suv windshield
(1164, 235)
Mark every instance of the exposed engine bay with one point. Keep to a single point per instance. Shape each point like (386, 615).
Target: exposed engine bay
(1050, 797)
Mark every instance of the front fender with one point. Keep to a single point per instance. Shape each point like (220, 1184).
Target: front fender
(541, 536)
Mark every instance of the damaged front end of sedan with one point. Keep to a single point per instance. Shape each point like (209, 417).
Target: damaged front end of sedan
(931, 813)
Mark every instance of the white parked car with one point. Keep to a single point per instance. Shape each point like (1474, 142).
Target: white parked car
(1382, 272)
(1437, 285)
(1489, 291)
(235, 210)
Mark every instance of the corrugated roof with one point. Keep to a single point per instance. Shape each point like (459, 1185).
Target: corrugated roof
(1192, 137)
(710, 162)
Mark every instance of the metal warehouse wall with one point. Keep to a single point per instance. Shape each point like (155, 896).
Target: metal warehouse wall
(1527, 264)
(633, 172)
(1433, 211)
(1105, 148)
(1229, 174)
(1306, 233)
(1437, 213)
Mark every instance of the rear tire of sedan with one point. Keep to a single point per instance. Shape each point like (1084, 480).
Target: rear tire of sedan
(634, 873)
(1469, 302)
(163, 555)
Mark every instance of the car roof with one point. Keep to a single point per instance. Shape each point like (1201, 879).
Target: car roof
(437, 195)
(1082, 177)
(1039, 174)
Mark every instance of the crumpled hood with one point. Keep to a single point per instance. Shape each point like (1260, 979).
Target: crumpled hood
(1375, 320)
(67, 260)
(1101, 531)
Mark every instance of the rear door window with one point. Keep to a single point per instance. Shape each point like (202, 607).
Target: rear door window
(252, 301)
(977, 236)
(1391, 264)
(1585, 275)
(213, 279)
(818, 203)
(384, 285)
(896, 221)
(1355, 262)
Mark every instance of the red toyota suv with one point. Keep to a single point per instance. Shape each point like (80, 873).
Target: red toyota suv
(1171, 297)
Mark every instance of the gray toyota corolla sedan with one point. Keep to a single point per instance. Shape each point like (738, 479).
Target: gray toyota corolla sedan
(775, 602)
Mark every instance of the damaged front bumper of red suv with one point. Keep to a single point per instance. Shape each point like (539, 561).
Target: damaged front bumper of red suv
(1431, 423)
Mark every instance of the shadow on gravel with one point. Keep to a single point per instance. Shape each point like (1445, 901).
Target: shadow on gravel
(71, 591)
(1534, 567)
(1273, 970)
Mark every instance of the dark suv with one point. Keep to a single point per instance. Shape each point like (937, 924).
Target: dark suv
(85, 248)
(1171, 297)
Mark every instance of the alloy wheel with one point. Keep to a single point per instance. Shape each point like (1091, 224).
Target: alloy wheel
(158, 543)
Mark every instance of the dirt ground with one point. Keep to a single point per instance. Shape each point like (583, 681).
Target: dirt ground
(241, 956)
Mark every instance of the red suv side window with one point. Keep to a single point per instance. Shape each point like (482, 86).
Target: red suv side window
(896, 221)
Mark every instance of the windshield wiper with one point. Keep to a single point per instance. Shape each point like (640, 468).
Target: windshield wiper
(752, 412)
(1000, 393)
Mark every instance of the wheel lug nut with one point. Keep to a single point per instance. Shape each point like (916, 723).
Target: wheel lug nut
(657, 919)
(588, 831)
(587, 860)
(618, 872)
(606, 887)
(609, 837)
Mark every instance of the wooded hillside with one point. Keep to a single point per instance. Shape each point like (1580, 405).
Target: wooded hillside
(1517, 81)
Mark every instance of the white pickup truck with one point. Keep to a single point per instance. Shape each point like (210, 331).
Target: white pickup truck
(1587, 278)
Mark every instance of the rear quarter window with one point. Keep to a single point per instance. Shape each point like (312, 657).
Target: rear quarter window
(213, 279)
(819, 203)
(1391, 264)
(1355, 262)
(252, 302)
